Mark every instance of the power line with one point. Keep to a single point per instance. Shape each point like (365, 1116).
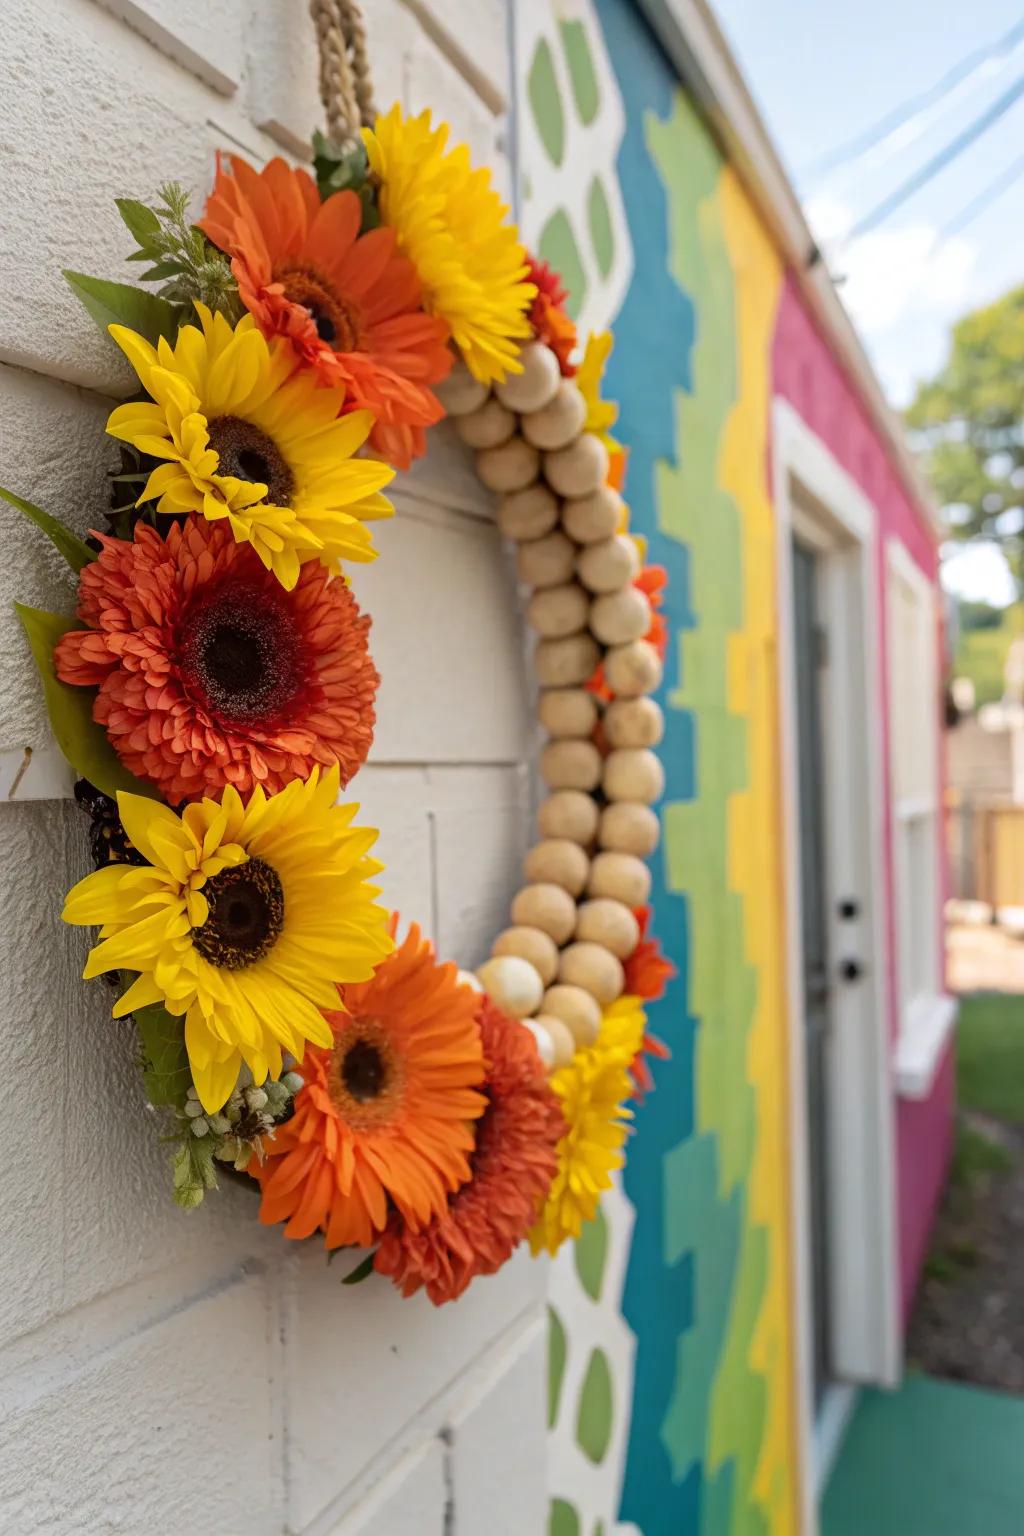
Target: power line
(939, 162)
(985, 198)
(914, 105)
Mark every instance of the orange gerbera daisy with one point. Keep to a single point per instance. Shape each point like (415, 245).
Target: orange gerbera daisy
(209, 673)
(349, 304)
(647, 974)
(548, 315)
(513, 1165)
(387, 1112)
(651, 581)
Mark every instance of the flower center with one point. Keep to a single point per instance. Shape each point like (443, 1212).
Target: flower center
(247, 453)
(337, 322)
(365, 1076)
(246, 915)
(240, 654)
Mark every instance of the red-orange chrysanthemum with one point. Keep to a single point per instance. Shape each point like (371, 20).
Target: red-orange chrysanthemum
(209, 673)
(548, 316)
(651, 581)
(513, 1165)
(387, 1114)
(647, 974)
(349, 304)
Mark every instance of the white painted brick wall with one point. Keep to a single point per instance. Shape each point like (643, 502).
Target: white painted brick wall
(169, 1373)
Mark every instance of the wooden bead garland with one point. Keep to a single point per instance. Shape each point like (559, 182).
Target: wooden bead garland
(558, 861)
(548, 907)
(559, 964)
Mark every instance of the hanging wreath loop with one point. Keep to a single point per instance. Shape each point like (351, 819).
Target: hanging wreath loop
(346, 88)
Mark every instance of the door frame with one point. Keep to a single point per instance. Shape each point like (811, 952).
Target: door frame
(817, 500)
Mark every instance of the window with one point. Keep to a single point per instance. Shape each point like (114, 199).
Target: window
(925, 1015)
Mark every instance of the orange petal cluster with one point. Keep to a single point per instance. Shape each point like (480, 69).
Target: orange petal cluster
(208, 673)
(548, 316)
(647, 974)
(348, 303)
(512, 1168)
(386, 1114)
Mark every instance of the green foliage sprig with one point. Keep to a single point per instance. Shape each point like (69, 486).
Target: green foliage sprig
(181, 258)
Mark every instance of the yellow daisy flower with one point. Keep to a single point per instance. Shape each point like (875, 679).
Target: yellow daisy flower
(245, 437)
(456, 231)
(594, 1089)
(243, 919)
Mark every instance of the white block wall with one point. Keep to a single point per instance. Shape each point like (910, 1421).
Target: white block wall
(164, 1374)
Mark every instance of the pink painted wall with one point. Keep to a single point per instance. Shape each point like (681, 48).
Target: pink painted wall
(807, 374)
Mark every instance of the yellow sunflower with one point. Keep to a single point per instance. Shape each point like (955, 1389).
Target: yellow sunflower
(593, 1089)
(601, 414)
(246, 438)
(244, 917)
(456, 231)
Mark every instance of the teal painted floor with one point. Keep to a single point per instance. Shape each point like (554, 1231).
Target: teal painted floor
(933, 1459)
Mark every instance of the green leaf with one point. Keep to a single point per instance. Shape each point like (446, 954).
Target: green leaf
(165, 1067)
(75, 551)
(82, 741)
(121, 304)
(192, 1171)
(142, 222)
(361, 1271)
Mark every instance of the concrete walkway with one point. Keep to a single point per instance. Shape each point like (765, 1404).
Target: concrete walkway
(933, 1459)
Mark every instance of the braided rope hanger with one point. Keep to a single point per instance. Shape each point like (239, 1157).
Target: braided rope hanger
(346, 88)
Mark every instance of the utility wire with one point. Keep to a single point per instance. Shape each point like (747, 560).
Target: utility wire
(914, 105)
(952, 151)
(985, 198)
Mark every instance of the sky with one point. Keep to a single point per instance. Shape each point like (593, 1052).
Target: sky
(823, 72)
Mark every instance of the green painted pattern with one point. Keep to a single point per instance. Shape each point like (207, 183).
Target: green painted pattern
(563, 1521)
(590, 1254)
(599, 223)
(546, 103)
(717, 1415)
(582, 75)
(594, 1424)
(557, 1351)
(557, 245)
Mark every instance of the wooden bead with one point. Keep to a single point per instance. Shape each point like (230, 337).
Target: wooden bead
(569, 813)
(567, 711)
(546, 562)
(558, 861)
(621, 877)
(548, 907)
(460, 393)
(571, 764)
(535, 384)
(508, 468)
(576, 1008)
(594, 969)
(543, 1041)
(559, 422)
(528, 514)
(609, 565)
(557, 611)
(632, 669)
(561, 663)
(609, 924)
(618, 617)
(531, 944)
(590, 519)
(467, 979)
(579, 469)
(561, 1038)
(512, 983)
(633, 773)
(633, 723)
(486, 427)
(626, 827)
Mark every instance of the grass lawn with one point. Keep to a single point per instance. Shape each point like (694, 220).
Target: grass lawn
(990, 1056)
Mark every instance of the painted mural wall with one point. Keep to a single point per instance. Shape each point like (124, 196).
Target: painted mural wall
(672, 1397)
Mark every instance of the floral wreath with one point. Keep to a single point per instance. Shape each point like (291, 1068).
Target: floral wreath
(215, 690)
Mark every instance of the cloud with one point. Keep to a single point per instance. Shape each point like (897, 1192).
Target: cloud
(894, 274)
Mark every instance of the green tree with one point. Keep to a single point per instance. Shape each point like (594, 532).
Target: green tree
(968, 424)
